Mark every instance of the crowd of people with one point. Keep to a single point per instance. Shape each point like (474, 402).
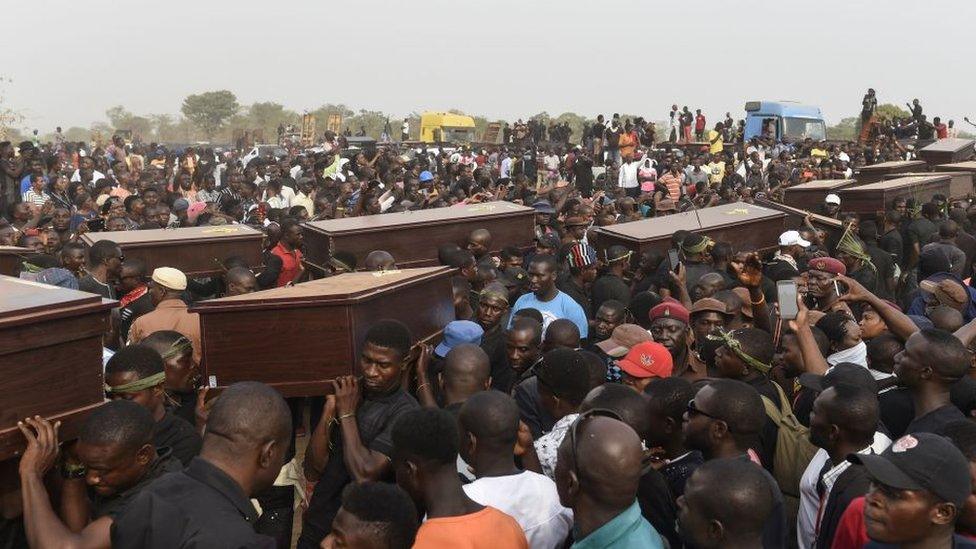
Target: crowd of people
(580, 397)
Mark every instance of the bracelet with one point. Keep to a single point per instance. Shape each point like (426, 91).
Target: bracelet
(760, 302)
(424, 384)
(71, 471)
(344, 416)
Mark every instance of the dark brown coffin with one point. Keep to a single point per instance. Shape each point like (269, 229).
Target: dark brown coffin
(808, 196)
(747, 226)
(959, 167)
(298, 338)
(194, 250)
(50, 357)
(11, 258)
(413, 237)
(877, 172)
(870, 199)
(960, 183)
(946, 151)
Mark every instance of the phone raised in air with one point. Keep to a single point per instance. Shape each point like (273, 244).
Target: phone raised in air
(786, 296)
(673, 260)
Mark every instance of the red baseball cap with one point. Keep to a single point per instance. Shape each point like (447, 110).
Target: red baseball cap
(647, 359)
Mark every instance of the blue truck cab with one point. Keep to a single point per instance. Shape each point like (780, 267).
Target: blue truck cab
(779, 119)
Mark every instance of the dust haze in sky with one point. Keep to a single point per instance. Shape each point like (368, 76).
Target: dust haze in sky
(72, 60)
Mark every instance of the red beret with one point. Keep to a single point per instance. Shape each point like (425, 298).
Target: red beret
(669, 308)
(827, 265)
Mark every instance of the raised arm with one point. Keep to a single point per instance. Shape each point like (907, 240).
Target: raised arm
(898, 322)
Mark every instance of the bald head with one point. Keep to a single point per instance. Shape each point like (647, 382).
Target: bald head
(245, 416)
(467, 370)
(632, 407)
(608, 462)
(493, 418)
(561, 333)
(380, 260)
(240, 280)
(732, 493)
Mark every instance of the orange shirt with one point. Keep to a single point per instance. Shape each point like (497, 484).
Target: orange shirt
(291, 264)
(489, 528)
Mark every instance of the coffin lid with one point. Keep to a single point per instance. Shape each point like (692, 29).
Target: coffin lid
(335, 290)
(898, 182)
(799, 212)
(821, 184)
(711, 218)
(15, 250)
(427, 217)
(950, 145)
(894, 164)
(967, 166)
(22, 297)
(175, 237)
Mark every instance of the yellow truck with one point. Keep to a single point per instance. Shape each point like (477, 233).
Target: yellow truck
(445, 127)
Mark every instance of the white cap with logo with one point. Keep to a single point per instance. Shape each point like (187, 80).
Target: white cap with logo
(792, 238)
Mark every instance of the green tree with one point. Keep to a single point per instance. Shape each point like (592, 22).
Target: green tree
(267, 116)
(888, 111)
(846, 129)
(209, 111)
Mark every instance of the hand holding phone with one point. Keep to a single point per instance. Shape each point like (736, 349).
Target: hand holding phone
(786, 293)
(673, 260)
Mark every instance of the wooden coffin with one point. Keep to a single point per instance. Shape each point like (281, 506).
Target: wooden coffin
(946, 151)
(50, 356)
(868, 200)
(197, 251)
(298, 338)
(747, 226)
(795, 218)
(11, 258)
(413, 237)
(960, 182)
(877, 172)
(959, 167)
(808, 196)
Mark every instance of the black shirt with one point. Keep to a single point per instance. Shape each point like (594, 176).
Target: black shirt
(607, 287)
(677, 471)
(200, 506)
(375, 418)
(132, 311)
(177, 434)
(493, 344)
(657, 505)
(536, 418)
(88, 284)
(892, 243)
(569, 287)
(934, 421)
(780, 269)
(111, 506)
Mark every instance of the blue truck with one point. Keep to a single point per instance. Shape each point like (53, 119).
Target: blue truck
(779, 119)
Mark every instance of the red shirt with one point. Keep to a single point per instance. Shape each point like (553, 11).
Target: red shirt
(291, 264)
(851, 532)
(941, 131)
(700, 122)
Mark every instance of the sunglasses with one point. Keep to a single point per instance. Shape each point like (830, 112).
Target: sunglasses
(694, 411)
(594, 412)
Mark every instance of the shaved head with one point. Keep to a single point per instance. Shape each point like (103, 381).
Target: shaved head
(607, 468)
(561, 333)
(467, 370)
(247, 414)
(380, 260)
(492, 417)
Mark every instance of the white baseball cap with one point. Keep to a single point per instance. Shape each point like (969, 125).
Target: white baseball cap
(832, 199)
(792, 238)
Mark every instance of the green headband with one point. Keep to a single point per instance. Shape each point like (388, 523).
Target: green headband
(697, 248)
(137, 385)
(733, 344)
(499, 295)
(178, 347)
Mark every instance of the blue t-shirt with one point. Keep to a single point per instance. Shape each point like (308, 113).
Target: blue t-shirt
(561, 306)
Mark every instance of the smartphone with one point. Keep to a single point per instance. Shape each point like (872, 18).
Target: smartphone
(673, 260)
(786, 296)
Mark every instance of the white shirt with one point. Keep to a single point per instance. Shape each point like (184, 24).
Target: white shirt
(96, 175)
(627, 178)
(551, 162)
(811, 504)
(505, 171)
(547, 446)
(531, 499)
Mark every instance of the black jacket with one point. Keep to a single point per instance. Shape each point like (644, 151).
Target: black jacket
(851, 484)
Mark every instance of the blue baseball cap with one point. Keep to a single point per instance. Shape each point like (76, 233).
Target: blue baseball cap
(426, 176)
(543, 206)
(457, 333)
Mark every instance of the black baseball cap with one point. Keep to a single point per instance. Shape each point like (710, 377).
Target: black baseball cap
(921, 461)
(847, 373)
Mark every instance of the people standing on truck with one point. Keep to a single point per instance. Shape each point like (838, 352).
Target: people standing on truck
(673, 124)
(405, 130)
(699, 126)
(916, 109)
(596, 139)
(686, 120)
(612, 135)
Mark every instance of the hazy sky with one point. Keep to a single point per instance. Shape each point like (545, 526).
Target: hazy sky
(72, 60)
